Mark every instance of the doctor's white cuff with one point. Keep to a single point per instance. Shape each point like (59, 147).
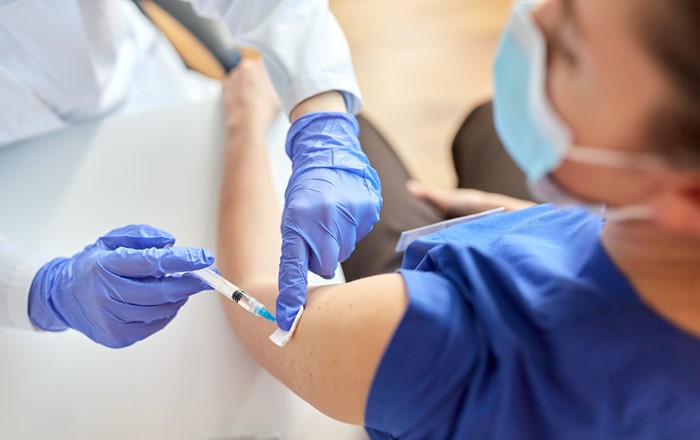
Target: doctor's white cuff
(18, 266)
(298, 92)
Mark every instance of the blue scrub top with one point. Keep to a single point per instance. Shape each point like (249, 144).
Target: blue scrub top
(521, 327)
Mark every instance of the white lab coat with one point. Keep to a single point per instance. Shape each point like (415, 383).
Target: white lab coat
(67, 61)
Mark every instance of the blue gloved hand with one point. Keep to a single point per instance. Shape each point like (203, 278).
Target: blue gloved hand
(119, 290)
(332, 202)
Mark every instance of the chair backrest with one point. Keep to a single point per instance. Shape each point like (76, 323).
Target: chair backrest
(202, 43)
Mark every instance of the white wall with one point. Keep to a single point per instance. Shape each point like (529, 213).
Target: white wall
(191, 381)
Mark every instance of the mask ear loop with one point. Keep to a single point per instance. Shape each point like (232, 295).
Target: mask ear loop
(620, 159)
(629, 213)
(615, 158)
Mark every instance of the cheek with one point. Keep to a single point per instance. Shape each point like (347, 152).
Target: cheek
(573, 98)
(602, 107)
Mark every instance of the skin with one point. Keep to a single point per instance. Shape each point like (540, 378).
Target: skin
(325, 102)
(339, 342)
(602, 82)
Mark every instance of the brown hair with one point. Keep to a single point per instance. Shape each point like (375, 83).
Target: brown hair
(672, 31)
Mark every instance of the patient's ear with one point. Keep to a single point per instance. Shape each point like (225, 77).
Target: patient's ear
(678, 207)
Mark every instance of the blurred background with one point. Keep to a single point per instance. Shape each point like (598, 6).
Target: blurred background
(423, 65)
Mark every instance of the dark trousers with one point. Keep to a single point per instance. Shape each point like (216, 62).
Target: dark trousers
(480, 162)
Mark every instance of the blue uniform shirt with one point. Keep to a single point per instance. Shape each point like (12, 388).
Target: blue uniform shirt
(521, 327)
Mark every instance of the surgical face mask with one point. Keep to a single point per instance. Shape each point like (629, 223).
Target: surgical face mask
(531, 131)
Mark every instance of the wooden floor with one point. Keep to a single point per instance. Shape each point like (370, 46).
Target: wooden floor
(422, 64)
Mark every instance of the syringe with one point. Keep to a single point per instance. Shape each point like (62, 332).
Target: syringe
(233, 292)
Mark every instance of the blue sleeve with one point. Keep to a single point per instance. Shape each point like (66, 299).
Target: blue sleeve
(477, 234)
(419, 387)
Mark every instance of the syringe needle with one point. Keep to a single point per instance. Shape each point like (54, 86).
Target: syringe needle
(233, 292)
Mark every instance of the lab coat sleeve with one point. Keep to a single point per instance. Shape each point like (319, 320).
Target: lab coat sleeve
(304, 48)
(18, 265)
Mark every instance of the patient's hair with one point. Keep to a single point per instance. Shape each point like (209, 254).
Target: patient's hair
(671, 29)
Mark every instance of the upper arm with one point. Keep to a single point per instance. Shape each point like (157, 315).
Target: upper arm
(396, 353)
(340, 341)
(338, 345)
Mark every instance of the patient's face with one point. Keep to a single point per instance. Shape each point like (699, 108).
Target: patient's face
(605, 85)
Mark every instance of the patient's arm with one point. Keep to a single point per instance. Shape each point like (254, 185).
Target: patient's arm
(345, 329)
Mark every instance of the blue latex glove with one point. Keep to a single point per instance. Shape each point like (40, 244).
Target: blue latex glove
(117, 291)
(332, 201)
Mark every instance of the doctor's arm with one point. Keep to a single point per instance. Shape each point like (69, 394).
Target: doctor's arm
(331, 360)
(304, 48)
(117, 291)
(334, 195)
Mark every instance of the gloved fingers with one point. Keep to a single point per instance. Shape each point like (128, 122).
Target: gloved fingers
(361, 206)
(136, 237)
(159, 291)
(346, 243)
(122, 334)
(372, 211)
(134, 314)
(292, 278)
(323, 260)
(346, 251)
(142, 263)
